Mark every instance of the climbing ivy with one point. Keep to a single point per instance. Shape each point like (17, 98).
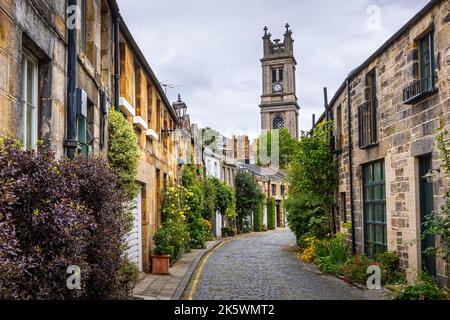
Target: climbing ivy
(123, 151)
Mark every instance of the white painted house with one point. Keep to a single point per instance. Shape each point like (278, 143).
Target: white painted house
(213, 169)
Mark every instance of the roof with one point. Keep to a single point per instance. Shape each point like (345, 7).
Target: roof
(382, 49)
(268, 173)
(144, 64)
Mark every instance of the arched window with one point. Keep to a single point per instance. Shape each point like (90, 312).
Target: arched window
(278, 122)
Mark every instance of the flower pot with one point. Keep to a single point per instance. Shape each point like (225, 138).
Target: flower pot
(160, 264)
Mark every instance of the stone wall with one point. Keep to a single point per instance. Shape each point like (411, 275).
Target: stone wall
(405, 132)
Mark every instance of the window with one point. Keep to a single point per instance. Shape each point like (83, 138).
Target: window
(86, 130)
(374, 206)
(278, 122)
(274, 189)
(425, 85)
(343, 207)
(277, 75)
(367, 114)
(29, 101)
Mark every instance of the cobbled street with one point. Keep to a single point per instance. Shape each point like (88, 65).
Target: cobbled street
(261, 267)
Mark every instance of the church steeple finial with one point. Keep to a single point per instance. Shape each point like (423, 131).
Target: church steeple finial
(265, 30)
(287, 27)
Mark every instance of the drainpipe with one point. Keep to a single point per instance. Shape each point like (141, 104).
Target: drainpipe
(330, 136)
(350, 162)
(116, 61)
(71, 142)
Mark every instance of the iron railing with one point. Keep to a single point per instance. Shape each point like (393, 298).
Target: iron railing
(418, 89)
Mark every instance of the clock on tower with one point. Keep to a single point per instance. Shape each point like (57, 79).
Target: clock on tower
(279, 106)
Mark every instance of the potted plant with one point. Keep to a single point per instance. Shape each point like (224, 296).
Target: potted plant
(161, 253)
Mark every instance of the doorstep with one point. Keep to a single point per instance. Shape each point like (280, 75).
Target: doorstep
(172, 286)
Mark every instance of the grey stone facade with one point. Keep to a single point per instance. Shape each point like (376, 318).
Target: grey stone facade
(405, 133)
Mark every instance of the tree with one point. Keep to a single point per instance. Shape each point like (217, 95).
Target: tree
(248, 197)
(313, 176)
(286, 146)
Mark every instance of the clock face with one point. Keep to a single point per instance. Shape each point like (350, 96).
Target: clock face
(277, 87)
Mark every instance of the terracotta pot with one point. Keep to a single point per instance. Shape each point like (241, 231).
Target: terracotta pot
(160, 264)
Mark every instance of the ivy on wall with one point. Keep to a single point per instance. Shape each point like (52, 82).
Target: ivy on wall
(123, 151)
(271, 215)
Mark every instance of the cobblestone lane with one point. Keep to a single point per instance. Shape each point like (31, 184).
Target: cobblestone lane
(258, 267)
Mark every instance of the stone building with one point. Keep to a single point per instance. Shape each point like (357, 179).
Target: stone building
(144, 103)
(58, 79)
(385, 118)
(274, 184)
(279, 107)
(34, 74)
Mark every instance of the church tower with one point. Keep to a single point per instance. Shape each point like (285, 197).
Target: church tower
(279, 107)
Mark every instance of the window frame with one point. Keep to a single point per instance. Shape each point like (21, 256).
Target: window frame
(27, 57)
(371, 223)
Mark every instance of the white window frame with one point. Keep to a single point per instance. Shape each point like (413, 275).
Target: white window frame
(28, 58)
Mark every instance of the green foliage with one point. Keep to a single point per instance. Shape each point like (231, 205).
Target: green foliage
(439, 224)
(173, 217)
(209, 194)
(355, 269)
(331, 254)
(424, 289)
(248, 197)
(312, 175)
(389, 263)
(199, 229)
(271, 214)
(123, 151)
(258, 219)
(286, 147)
(304, 220)
(224, 197)
(161, 238)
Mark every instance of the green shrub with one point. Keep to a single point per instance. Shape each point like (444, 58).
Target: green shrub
(424, 289)
(271, 214)
(331, 254)
(232, 232)
(123, 151)
(258, 219)
(389, 263)
(161, 238)
(225, 231)
(355, 269)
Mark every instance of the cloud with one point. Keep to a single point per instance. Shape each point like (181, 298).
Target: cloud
(211, 49)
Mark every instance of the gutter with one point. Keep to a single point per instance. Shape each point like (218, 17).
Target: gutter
(116, 25)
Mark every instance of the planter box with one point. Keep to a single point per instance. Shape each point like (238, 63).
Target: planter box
(160, 264)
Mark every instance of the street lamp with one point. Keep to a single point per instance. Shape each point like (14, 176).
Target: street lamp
(180, 109)
(430, 175)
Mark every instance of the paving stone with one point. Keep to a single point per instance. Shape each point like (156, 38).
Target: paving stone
(259, 268)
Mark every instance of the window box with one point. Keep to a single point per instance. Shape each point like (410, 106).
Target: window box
(367, 120)
(152, 135)
(140, 123)
(126, 108)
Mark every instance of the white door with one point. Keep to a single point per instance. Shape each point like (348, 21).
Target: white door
(134, 239)
(218, 225)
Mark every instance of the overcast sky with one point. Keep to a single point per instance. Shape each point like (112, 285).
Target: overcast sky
(212, 49)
